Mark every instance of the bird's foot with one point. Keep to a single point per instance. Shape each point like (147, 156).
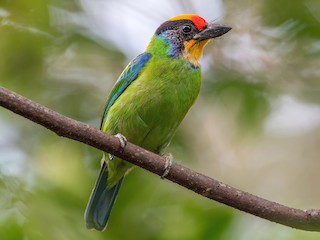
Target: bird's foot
(123, 142)
(122, 139)
(168, 163)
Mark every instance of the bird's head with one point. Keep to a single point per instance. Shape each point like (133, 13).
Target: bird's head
(187, 35)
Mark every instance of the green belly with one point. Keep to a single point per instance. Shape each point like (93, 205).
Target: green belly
(149, 111)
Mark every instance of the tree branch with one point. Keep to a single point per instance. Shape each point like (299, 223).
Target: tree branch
(201, 184)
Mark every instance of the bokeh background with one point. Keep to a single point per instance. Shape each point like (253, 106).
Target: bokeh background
(255, 126)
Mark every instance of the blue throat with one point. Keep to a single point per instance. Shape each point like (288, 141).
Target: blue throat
(175, 48)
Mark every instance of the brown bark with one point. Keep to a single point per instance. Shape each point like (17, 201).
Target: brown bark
(201, 184)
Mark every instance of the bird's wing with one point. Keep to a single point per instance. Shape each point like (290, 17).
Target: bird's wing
(129, 74)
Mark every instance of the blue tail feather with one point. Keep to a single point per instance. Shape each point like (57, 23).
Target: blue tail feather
(101, 201)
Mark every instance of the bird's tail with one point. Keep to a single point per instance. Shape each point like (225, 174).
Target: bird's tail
(101, 201)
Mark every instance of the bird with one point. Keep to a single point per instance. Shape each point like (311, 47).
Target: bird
(149, 100)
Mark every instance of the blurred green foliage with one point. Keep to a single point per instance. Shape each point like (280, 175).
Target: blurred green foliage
(45, 181)
(304, 13)
(252, 103)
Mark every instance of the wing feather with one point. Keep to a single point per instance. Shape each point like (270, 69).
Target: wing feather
(129, 74)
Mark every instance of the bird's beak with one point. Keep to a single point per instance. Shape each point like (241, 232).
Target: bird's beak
(213, 30)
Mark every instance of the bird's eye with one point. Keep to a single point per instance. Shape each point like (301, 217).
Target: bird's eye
(186, 29)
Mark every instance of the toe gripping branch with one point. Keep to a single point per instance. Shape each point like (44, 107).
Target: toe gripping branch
(122, 139)
(123, 142)
(168, 163)
(168, 156)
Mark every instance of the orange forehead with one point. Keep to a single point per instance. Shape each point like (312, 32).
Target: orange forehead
(198, 21)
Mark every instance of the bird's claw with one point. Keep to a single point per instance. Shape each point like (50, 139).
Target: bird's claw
(122, 139)
(123, 142)
(168, 163)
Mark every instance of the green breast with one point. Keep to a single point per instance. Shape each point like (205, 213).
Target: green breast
(149, 111)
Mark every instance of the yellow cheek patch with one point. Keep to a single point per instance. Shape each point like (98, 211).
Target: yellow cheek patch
(193, 51)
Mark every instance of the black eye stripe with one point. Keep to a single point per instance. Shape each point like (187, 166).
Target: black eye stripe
(173, 25)
(187, 28)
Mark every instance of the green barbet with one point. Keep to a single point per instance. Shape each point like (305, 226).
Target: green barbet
(149, 101)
